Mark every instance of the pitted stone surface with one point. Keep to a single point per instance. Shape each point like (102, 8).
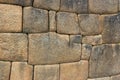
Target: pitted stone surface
(89, 24)
(74, 71)
(13, 46)
(79, 6)
(35, 20)
(46, 72)
(111, 32)
(49, 48)
(21, 71)
(67, 23)
(47, 4)
(103, 6)
(105, 60)
(10, 18)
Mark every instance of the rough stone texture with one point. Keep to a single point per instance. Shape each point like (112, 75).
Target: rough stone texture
(116, 77)
(75, 39)
(111, 32)
(47, 4)
(79, 6)
(86, 51)
(105, 60)
(103, 6)
(21, 71)
(13, 46)
(93, 40)
(52, 21)
(10, 18)
(89, 24)
(67, 23)
(49, 48)
(4, 70)
(104, 78)
(35, 20)
(74, 71)
(46, 72)
(18, 2)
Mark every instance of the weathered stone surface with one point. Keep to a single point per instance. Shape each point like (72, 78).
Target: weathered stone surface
(74, 71)
(105, 60)
(93, 40)
(75, 39)
(47, 4)
(49, 48)
(89, 24)
(18, 2)
(67, 23)
(79, 6)
(116, 77)
(21, 71)
(86, 51)
(52, 21)
(46, 72)
(103, 6)
(35, 20)
(4, 70)
(104, 78)
(111, 32)
(10, 18)
(13, 46)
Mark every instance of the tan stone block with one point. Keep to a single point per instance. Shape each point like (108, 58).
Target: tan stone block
(21, 71)
(74, 71)
(103, 6)
(10, 18)
(93, 40)
(67, 23)
(52, 21)
(35, 20)
(4, 70)
(18, 2)
(46, 72)
(13, 46)
(90, 24)
(103, 78)
(51, 48)
(115, 77)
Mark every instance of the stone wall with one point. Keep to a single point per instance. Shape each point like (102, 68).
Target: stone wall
(59, 40)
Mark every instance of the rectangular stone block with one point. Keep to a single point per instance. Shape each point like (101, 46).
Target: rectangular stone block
(13, 46)
(4, 70)
(78, 6)
(51, 48)
(18, 2)
(10, 18)
(90, 24)
(103, 6)
(75, 39)
(46, 72)
(21, 71)
(74, 71)
(67, 23)
(35, 20)
(47, 4)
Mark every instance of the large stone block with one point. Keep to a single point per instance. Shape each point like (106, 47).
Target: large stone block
(67, 23)
(10, 18)
(50, 48)
(35, 20)
(4, 70)
(18, 2)
(74, 71)
(103, 6)
(47, 4)
(79, 6)
(111, 32)
(46, 72)
(105, 60)
(13, 46)
(89, 24)
(21, 71)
